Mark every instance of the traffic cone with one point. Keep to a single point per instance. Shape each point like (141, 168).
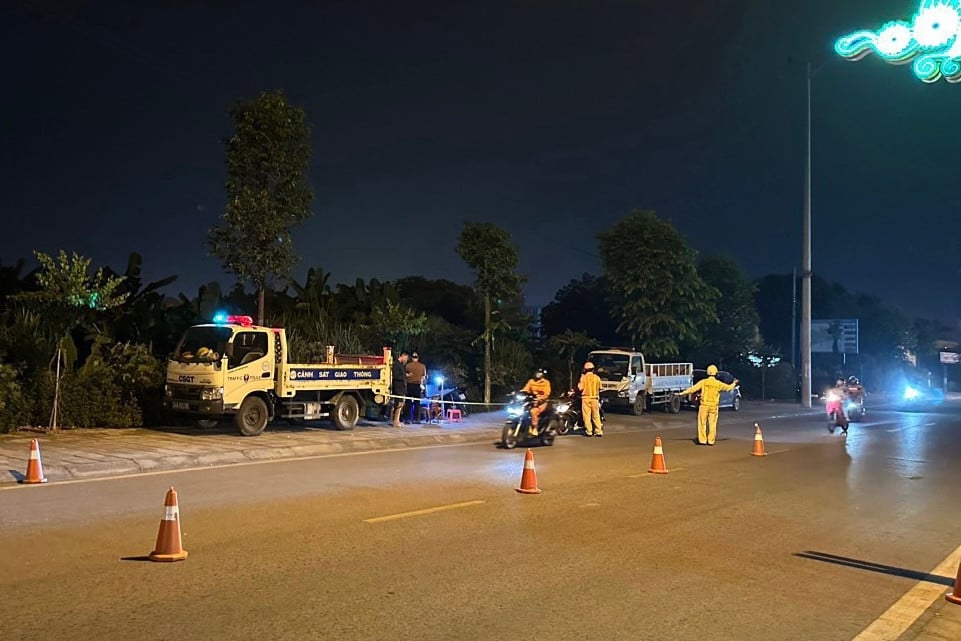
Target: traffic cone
(34, 465)
(169, 544)
(758, 442)
(657, 462)
(529, 476)
(955, 597)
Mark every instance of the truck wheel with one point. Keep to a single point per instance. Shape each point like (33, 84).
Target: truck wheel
(346, 412)
(640, 403)
(674, 405)
(253, 416)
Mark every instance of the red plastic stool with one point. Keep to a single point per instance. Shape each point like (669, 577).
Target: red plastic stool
(454, 415)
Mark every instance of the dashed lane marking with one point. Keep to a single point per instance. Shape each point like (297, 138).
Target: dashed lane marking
(915, 602)
(430, 510)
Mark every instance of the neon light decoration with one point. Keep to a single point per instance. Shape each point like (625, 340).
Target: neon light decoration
(932, 40)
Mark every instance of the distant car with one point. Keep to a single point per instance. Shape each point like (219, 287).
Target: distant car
(730, 399)
(917, 395)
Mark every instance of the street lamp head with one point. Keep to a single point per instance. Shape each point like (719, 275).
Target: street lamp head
(931, 40)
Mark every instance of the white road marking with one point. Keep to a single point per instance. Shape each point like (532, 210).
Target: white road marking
(202, 468)
(779, 451)
(430, 510)
(899, 617)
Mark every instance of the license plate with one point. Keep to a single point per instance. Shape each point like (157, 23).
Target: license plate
(181, 405)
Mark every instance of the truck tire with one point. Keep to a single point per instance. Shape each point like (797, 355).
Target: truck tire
(674, 404)
(346, 412)
(253, 416)
(640, 404)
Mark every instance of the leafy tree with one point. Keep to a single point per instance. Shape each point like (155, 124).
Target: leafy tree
(653, 286)
(736, 328)
(397, 324)
(267, 191)
(490, 252)
(569, 345)
(66, 296)
(581, 306)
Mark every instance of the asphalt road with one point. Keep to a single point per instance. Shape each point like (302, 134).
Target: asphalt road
(726, 546)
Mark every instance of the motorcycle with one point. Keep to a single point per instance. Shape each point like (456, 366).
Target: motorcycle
(855, 404)
(835, 411)
(517, 427)
(568, 409)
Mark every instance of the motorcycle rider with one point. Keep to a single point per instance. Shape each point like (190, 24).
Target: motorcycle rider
(590, 388)
(540, 387)
(710, 389)
(837, 402)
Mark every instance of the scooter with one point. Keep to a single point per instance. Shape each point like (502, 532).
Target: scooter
(517, 428)
(835, 412)
(568, 408)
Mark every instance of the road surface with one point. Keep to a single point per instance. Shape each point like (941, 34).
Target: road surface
(812, 542)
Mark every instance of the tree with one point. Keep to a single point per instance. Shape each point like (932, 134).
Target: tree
(581, 306)
(569, 345)
(267, 191)
(653, 286)
(66, 295)
(397, 324)
(736, 328)
(489, 251)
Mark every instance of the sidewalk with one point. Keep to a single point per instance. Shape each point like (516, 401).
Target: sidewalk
(79, 454)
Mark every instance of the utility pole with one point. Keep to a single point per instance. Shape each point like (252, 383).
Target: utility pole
(794, 318)
(806, 266)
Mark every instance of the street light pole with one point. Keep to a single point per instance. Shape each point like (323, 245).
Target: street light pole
(806, 266)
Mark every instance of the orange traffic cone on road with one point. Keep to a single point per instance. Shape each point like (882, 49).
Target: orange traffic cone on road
(529, 476)
(657, 462)
(169, 543)
(34, 465)
(758, 442)
(955, 597)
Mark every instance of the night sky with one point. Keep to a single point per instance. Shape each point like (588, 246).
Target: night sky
(550, 118)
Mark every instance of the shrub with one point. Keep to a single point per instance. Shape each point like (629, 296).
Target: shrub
(12, 401)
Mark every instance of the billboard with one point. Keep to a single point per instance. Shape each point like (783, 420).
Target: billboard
(834, 335)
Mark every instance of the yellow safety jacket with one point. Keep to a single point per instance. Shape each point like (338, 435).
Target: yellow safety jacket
(710, 389)
(590, 385)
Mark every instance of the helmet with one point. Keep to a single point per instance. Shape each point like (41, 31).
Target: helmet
(712, 370)
(203, 352)
(540, 373)
(839, 382)
(588, 365)
(853, 380)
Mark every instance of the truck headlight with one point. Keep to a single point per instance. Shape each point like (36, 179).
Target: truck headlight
(212, 394)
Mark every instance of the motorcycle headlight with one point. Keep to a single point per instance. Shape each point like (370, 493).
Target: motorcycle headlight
(520, 397)
(513, 410)
(910, 393)
(563, 407)
(212, 394)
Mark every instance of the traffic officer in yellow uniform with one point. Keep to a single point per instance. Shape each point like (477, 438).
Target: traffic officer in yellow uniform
(540, 387)
(710, 389)
(590, 388)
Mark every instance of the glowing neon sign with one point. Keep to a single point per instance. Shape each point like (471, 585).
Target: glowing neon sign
(932, 40)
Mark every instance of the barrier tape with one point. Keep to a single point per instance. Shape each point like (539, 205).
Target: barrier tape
(426, 400)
